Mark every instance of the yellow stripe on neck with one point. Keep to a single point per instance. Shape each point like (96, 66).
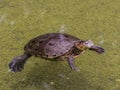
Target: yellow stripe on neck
(83, 48)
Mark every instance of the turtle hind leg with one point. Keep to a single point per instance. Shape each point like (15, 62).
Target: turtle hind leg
(71, 64)
(17, 64)
(98, 49)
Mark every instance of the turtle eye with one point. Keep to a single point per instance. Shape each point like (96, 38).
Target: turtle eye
(86, 42)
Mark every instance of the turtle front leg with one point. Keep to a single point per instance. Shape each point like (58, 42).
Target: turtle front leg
(17, 64)
(71, 63)
(98, 49)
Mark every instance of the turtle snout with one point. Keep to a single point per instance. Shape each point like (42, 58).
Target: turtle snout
(89, 43)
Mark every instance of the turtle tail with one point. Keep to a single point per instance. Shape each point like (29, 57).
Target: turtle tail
(17, 64)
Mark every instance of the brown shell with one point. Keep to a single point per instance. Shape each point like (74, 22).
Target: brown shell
(50, 45)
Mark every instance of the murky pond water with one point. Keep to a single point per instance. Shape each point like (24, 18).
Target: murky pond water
(98, 20)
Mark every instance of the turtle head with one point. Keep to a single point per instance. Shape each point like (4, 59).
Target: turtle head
(83, 45)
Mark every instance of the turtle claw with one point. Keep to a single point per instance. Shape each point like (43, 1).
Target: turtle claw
(71, 64)
(74, 68)
(98, 49)
(17, 64)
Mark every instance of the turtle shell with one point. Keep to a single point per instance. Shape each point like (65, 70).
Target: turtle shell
(50, 45)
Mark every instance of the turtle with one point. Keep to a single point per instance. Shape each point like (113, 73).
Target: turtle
(54, 46)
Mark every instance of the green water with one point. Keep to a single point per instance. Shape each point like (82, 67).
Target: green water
(98, 20)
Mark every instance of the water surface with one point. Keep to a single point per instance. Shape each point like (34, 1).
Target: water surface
(98, 20)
